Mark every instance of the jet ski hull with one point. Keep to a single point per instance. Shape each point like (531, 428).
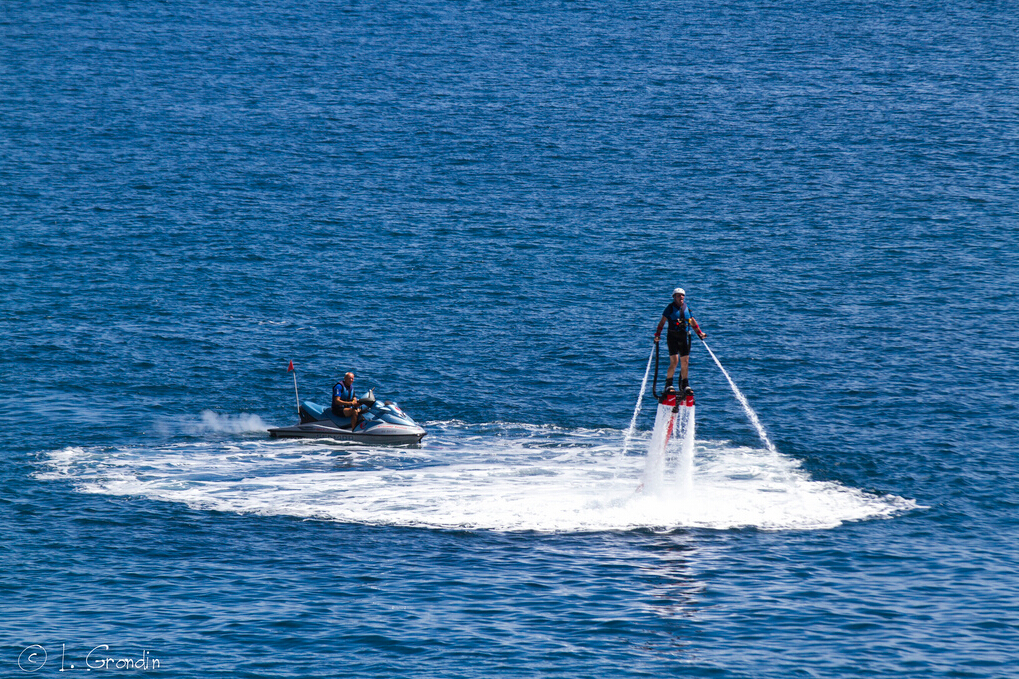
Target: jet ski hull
(323, 430)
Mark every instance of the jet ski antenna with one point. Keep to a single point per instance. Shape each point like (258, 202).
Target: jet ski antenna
(292, 369)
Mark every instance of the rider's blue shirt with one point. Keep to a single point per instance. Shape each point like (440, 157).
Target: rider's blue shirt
(679, 317)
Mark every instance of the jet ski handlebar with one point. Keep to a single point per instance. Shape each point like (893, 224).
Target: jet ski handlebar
(368, 399)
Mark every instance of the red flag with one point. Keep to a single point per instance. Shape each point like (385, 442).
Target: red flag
(291, 368)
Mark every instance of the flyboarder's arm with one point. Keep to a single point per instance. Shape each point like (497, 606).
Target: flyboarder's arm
(697, 328)
(658, 330)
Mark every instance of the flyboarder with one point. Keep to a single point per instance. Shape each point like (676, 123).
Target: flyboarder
(679, 318)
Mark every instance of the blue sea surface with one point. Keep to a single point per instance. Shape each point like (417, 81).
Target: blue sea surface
(481, 209)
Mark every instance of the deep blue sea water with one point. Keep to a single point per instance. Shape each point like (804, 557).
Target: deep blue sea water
(481, 210)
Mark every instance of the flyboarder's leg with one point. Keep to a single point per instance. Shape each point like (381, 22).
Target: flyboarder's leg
(673, 361)
(674, 351)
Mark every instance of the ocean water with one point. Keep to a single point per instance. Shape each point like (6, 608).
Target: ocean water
(481, 209)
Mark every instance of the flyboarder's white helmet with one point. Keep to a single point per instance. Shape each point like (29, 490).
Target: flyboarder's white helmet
(679, 291)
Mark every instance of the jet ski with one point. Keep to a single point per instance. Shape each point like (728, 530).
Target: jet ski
(378, 423)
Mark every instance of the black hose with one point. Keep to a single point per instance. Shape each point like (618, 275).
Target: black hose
(654, 384)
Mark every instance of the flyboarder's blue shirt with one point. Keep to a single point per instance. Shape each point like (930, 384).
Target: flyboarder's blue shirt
(679, 317)
(343, 392)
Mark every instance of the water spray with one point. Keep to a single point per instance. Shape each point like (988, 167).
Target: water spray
(743, 402)
(636, 410)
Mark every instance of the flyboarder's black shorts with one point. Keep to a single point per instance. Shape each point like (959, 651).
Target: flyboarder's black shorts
(679, 343)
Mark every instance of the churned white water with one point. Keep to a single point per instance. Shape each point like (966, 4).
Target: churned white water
(498, 476)
(668, 467)
(685, 438)
(653, 479)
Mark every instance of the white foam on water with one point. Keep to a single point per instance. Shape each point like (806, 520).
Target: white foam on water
(496, 476)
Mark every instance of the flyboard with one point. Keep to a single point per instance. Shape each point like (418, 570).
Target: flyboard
(674, 421)
(669, 404)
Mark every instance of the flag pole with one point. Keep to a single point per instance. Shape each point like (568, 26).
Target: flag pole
(296, 395)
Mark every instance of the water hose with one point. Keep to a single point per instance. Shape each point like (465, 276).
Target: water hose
(654, 383)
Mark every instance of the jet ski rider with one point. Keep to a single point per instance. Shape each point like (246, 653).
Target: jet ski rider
(679, 317)
(345, 403)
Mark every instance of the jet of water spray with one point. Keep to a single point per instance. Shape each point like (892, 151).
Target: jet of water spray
(636, 410)
(743, 402)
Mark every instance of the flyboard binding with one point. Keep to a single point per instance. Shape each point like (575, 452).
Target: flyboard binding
(671, 398)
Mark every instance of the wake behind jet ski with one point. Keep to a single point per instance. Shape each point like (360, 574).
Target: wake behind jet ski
(374, 422)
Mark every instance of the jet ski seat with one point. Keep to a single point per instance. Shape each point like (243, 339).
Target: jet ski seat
(313, 412)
